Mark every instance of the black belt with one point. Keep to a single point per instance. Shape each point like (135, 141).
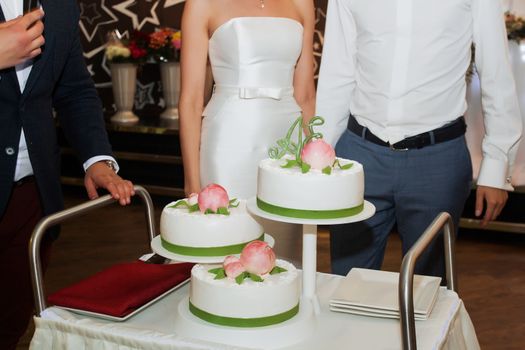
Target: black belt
(447, 132)
(24, 180)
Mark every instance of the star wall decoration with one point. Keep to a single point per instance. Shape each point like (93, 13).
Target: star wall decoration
(126, 8)
(144, 95)
(170, 3)
(92, 19)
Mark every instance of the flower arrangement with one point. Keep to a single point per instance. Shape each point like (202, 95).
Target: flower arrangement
(311, 153)
(165, 44)
(132, 50)
(257, 259)
(515, 26)
(213, 199)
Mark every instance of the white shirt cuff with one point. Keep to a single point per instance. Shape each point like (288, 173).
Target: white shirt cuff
(95, 159)
(493, 173)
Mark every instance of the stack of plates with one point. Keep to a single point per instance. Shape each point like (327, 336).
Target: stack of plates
(375, 293)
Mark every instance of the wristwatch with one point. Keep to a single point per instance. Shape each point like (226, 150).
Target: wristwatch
(111, 164)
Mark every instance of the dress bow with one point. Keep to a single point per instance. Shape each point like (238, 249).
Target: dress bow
(261, 92)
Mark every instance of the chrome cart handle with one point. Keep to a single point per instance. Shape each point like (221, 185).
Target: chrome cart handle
(406, 277)
(61, 216)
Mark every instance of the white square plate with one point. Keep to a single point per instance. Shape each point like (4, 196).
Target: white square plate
(353, 311)
(378, 290)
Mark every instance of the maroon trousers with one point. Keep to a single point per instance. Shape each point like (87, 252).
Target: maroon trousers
(16, 293)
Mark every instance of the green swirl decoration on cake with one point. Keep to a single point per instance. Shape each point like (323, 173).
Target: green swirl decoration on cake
(206, 251)
(323, 154)
(244, 322)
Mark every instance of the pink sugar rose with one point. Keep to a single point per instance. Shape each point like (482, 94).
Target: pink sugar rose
(229, 259)
(232, 266)
(258, 258)
(318, 154)
(213, 197)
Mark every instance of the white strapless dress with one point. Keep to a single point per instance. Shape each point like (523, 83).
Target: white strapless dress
(252, 106)
(253, 61)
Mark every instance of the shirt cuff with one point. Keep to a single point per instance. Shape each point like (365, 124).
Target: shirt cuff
(95, 159)
(493, 173)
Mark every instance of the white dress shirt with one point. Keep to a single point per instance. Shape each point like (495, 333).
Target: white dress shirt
(399, 68)
(11, 10)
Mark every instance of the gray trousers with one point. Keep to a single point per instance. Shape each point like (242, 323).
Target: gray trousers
(408, 188)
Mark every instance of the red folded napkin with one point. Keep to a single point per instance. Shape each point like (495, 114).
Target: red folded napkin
(122, 288)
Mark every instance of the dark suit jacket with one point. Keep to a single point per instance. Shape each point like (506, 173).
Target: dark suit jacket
(59, 80)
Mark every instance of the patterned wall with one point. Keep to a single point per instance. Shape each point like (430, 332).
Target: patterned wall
(98, 17)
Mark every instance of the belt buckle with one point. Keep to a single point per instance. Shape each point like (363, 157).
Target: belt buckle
(393, 148)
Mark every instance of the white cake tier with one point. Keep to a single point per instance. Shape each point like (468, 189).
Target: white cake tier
(201, 234)
(250, 304)
(289, 192)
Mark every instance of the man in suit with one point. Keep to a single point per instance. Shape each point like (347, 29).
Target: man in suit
(58, 80)
(392, 89)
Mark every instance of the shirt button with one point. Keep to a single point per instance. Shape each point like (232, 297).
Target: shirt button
(9, 151)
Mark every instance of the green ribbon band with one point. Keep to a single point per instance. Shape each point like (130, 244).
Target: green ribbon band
(309, 214)
(206, 251)
(244, 322)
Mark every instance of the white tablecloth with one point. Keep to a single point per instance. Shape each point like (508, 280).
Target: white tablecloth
(449, 327)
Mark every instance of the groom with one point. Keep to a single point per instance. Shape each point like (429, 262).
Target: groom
(392, 90)
(56, 80)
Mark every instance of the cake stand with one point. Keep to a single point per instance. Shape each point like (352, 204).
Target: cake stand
(309, 259)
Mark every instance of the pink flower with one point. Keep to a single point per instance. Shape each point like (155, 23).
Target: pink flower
(213, 197)
(318, 154)
(232, 266)
(258, 257)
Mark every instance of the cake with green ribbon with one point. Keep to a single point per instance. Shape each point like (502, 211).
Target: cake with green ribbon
(253, 290)
(208, 224)
(304, 179)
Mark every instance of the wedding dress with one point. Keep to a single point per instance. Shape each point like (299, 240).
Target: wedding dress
(252, 106)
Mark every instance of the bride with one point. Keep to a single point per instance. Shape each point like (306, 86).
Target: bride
(261, 55)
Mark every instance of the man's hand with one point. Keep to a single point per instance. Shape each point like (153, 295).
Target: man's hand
(99, 175)
(21, 39)
(493, 198)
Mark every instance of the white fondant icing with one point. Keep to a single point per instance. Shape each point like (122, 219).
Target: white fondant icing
(290, 188)
(276, 294)
(179, 226)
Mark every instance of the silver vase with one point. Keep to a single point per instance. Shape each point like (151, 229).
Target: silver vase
(170, 77)
(124, 81)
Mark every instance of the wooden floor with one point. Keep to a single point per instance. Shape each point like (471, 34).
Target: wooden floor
(491, 265)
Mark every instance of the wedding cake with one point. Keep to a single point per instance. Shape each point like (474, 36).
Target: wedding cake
(208, 224)
(306, 180)
(253, 290)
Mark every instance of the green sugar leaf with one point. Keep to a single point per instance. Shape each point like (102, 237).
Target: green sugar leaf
(180, 203)
(346, 166)
(209, 211)
(305, 167)
(223, 211)
(239, 279)
(290, 163)
(215, 270)
(220, 274)
(193, 208)
(255, 278)
(327, 170)
(277, 269)
(234, 203)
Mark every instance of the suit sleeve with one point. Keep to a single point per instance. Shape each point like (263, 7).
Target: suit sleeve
(76, 101)
(337, 73)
